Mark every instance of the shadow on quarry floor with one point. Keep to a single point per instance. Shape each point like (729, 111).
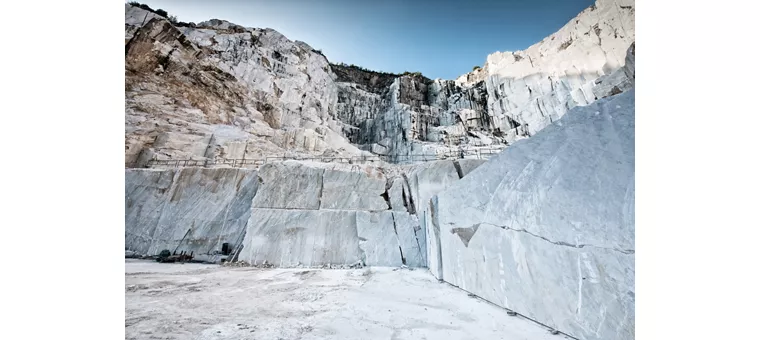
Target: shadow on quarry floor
(197, 301)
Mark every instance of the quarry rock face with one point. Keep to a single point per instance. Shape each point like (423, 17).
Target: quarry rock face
(409, 118)
(529, 89)
(546, 228)
(289, 213)
(289, 185)
(161, 206)
(515, 94)
(293, 237)
(217, 90)
(323, 214)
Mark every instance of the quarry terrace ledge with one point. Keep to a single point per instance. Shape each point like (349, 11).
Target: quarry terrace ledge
(482, 153)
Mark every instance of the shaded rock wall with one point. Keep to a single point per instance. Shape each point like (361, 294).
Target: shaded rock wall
(319, 214)
(290, 213)
(407, 115)
(546, 228)
(161, 206)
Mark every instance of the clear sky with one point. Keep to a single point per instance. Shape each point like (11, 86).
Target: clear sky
(441, 39)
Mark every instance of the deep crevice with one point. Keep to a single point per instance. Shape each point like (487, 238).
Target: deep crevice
(387, 199)
(437, 234)
(459, 169)
(560, 243)
(510, 310)
(321, 188)
(409, 189)
(403, 259)
(419, 246)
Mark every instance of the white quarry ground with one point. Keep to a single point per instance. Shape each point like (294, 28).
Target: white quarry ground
(197, 301)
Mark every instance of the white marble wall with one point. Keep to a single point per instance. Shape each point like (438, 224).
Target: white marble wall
(546, 228)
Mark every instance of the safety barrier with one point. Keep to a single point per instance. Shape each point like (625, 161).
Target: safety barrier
(479, 153)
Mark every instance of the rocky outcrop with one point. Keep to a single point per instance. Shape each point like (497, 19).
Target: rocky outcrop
(619, 81)
(530, 89)
(515, 95)
(219, 90)
(546, 228)
(412, 116)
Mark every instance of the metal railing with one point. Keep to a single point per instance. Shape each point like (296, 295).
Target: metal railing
(478, 153)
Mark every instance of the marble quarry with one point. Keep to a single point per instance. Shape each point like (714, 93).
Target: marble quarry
(162, 205)
(288, 214)
(217, 90)
(546, 228)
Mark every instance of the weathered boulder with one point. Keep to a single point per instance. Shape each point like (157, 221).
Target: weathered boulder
(546, 228)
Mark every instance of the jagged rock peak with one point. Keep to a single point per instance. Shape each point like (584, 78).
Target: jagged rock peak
(593, 43)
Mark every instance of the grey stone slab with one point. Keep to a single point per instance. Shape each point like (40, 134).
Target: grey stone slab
(289, 185)
(587, 292)
(377, 239)
(398, 196)
(468, 165)
(353, 190)
(424, 182)
(411, 238)
(290, 237)
(546, 228)
(213, 204)
(429, 179)
(146, 192)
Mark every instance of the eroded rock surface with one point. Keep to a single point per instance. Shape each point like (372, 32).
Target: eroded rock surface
(217, 90)
(530, 89)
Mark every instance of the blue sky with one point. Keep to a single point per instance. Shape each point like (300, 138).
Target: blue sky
(441, 39)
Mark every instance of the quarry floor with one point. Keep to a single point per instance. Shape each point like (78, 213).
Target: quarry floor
(198, 301)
